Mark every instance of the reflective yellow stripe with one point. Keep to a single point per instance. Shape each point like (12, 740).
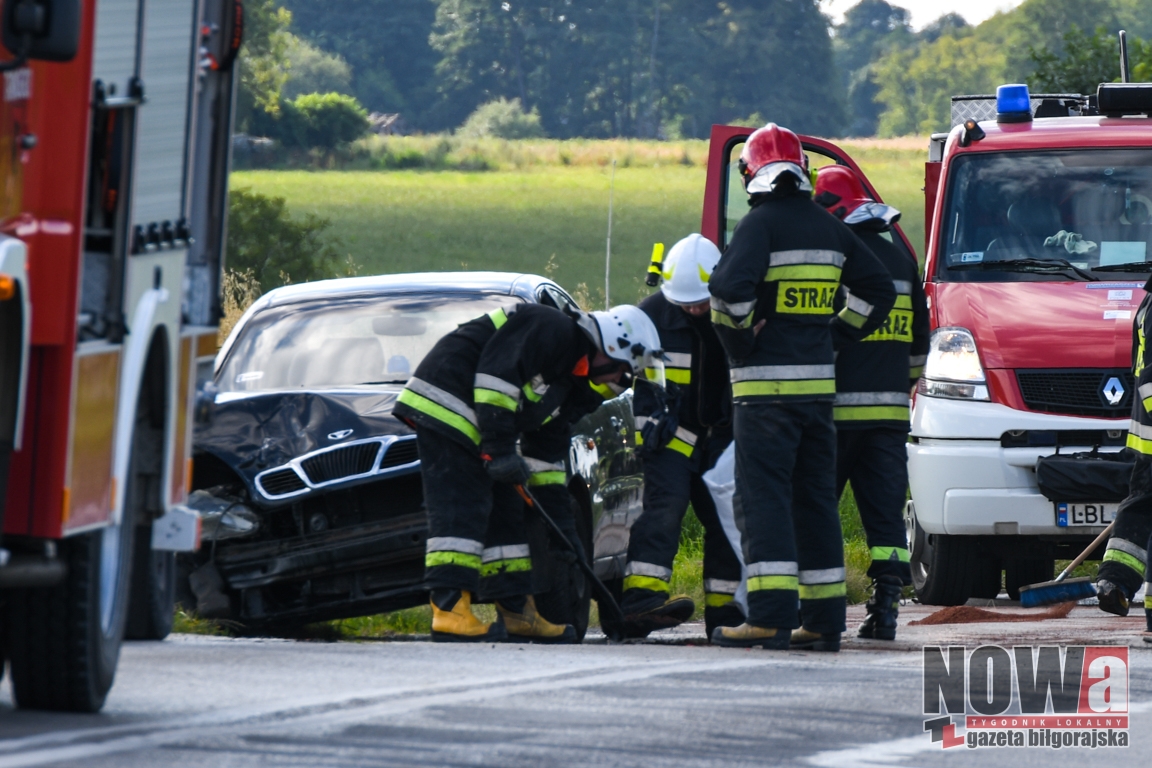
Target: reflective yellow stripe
(770, 388)
(498, 317)
(515, 565)
(603, 390)
(462, 559)
(440, 413)
(805, 298)
(761, 583)
(854, 319)
(645, 582)
(870, 413)
(678, 375)
(916, 372)
(1116, 556)
(492, 397)
(680, 446)
(547, 478)
(823, 591)
(531, 393)
(717, 599)
(639, 438)
(1137, 443)
(804, 272)
(719, 318)
(885, 553)
(896, 327)
(903, 301)
(1147, 404)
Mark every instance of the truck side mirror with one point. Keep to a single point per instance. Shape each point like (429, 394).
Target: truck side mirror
(48, 30)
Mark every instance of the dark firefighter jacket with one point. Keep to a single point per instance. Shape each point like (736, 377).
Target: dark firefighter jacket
(1140, 430)
(516, 370)
(695, 364)
(785, 263)
(874, 376)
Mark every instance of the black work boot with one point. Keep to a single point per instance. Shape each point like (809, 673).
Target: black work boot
(1113, 597)
(728, 615)
(883, 608)
(649, 611)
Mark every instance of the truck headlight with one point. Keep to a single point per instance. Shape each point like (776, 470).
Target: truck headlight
(953, 367)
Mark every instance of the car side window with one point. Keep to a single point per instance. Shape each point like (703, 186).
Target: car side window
(552, 296)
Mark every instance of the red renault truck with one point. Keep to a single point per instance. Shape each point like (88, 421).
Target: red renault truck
(114, 154)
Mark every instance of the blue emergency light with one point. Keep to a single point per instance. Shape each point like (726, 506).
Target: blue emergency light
(1013, 104)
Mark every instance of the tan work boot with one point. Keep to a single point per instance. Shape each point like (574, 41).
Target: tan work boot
(806, 640)
(528, 626)
(454, 622)
(654, 611)
(748, 636)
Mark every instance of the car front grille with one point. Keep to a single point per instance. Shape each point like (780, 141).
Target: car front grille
(400, 452)
(341, 462)
(1077, 391)
(353, 462)
(281, 482)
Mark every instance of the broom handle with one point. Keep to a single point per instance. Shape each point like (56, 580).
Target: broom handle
(1080, 558)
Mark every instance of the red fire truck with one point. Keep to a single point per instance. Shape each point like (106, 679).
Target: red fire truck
(115, 131)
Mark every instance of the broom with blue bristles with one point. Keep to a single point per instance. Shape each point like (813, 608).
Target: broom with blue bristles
(1062, 589)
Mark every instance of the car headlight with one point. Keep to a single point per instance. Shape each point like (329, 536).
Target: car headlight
(953, 367)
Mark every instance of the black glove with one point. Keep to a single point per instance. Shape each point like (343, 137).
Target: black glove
(662, 424)
(510, 468)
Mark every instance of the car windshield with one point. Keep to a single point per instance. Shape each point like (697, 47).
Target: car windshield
(1061, 215)
(345, 342)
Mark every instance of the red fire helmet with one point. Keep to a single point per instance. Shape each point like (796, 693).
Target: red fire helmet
(840, 190)
(769, 152)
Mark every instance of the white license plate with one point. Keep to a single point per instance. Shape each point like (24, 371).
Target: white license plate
(1072, 515)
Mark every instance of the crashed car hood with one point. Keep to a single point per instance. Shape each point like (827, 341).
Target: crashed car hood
(252, 433)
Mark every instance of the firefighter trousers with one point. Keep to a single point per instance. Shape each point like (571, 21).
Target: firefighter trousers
(785, 507)
(671, 481)
(1126, 558)
(875, 461)
(477, 540)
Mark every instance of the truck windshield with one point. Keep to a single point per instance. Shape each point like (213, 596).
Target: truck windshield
(1060, 215)
(345, 342)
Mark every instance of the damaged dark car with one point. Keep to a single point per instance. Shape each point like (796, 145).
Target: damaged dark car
(309, 488)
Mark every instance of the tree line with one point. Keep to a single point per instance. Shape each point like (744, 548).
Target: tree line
(661, 68)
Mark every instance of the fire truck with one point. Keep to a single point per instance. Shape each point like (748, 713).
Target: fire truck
(114, 156)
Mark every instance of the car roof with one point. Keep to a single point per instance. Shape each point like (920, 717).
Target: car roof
(511, 283)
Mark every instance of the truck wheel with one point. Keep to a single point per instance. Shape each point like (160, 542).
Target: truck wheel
(64, 641)
(153, 601)
(986, 580)
(944, 568)
(570, 598)
(1024, 571)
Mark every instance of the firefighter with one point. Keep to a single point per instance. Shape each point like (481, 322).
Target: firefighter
(772, 302)
(1125, 564)
(680, 436)
(873, 381)
(521, 374)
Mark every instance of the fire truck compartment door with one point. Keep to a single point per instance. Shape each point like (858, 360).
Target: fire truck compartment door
(161, 146)
(117, 45)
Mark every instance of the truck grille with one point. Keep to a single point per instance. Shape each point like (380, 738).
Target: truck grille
(342, 462)
(1077, 391)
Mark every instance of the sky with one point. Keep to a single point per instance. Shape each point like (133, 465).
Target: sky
(926, 11)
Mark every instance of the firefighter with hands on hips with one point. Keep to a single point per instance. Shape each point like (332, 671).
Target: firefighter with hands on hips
(772, 302)
(1126, 563)
(522, 374)
(681, 432)
(873, 382)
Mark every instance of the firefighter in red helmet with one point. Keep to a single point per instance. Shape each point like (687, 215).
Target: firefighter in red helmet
(773, 296)
(873, 379)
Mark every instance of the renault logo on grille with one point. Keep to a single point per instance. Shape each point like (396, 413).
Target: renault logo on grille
(1113, 391)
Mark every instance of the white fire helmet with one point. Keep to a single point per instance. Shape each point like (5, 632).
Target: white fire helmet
(626, 334)
(687, 268)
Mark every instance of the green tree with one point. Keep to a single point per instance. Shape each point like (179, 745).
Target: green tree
(265, 238)
(1088, 60)
(311, 70)
(869, 29)
(322, 120)
(263, 68)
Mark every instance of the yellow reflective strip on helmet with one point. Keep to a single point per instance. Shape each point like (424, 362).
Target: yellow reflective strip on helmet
(462, 559)
(704, 276)
(773, 388)
(513, 565)
(498, 317)
(885, 553)
(1137, 443)
(870, 413)
(1123, 558)
(823, 591)
(553, 477)
(803, 272)
(719, 318)
(762, 583)
(645, 582)
(680, 446)
(853, 318)
(678, 375)
(440, 413)
(492, 397)
(717, 599)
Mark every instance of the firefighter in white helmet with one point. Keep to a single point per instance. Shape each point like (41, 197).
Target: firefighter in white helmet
(492, 405)
(681, 432)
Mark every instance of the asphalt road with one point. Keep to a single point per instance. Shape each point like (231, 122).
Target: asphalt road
(199, 701)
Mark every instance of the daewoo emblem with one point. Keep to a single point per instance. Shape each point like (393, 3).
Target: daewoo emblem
(345, 432)
(1113, 391)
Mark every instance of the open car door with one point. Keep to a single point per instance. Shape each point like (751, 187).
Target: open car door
(725, 201)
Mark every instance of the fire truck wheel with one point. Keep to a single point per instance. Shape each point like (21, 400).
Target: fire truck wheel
(64, 641)
(153, 601)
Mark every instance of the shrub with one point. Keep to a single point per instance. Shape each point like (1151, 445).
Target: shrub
(277, 248)
(502, 119)
(314, 120)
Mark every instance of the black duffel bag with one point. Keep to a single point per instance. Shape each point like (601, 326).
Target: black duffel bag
(1085, 477)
